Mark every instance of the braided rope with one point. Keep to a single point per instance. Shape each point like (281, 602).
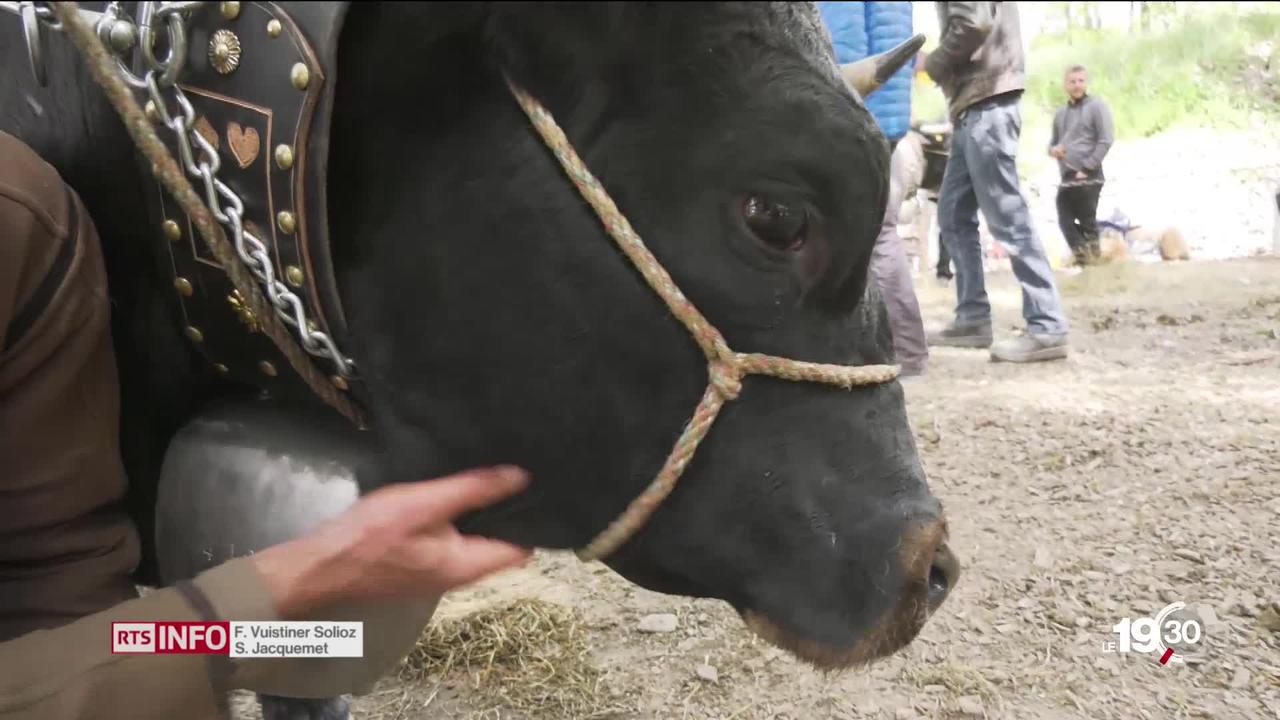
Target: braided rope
(103, 67)
(726, 368)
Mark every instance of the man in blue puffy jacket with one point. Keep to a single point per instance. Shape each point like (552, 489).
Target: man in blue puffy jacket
(858, 30)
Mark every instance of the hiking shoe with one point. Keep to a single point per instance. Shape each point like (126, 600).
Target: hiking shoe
(965, 336)
(1030, 347)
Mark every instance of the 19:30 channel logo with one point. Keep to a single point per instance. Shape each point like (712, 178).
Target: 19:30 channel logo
(1173, 634)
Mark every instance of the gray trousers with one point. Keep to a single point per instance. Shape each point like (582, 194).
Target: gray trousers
(982, 173)
(892, 272)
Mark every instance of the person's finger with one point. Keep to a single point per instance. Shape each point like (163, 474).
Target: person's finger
(473, 557)
(429, 502)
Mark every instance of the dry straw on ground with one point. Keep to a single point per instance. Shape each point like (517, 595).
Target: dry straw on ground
(529, 656)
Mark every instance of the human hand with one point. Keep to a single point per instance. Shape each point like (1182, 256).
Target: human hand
(935, 66)
(1058, 151)
(396, 543)
(1080, 175)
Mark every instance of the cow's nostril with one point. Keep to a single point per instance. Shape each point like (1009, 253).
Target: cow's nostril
(944, 572)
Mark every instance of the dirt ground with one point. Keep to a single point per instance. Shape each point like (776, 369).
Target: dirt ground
(1143, 470)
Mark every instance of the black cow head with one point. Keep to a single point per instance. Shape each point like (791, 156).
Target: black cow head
(497, 323)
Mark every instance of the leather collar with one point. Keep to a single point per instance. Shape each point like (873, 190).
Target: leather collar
(260, 76)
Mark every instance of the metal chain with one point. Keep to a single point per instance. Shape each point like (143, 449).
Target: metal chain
(230, 212)
(161, 75)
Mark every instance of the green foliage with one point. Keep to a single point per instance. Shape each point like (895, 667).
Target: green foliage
(927, 102)
(1191, 70)
(1192, 74)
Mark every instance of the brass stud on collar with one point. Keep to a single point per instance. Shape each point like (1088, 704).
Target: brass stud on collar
(221, 369)
(286, 221)
(230, 10)
(183, 286)
(284, 156)
(338, 382)
(300, 76)
(293, 274)
(266, 368)
(273, 28)
(151, 112)
(193, 333)
(224, 51)
(171, 230)
(243, 311)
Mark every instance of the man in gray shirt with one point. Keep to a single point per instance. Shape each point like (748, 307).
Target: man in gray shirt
(1082, 135)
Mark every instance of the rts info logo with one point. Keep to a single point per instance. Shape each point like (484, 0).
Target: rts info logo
(1172, 635)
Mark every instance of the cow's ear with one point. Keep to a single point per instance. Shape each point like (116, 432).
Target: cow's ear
(868, 74)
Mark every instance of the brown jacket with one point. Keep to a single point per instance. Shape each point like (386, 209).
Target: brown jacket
(979, 54)
(67, 549)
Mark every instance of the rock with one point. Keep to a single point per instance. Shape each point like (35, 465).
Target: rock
(707, 672)
(1270, 620)
(659, 623)
(1121, 568)
(998, 676)
(1189, 555)
(1082, 622)
(1240, 680)
(971, 705)
(934, 688)
(904, 714)
(1208, 617)
(1042, 559)
(1236, 700)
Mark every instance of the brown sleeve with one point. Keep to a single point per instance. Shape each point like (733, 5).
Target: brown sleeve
(70, 673)
(67, 547)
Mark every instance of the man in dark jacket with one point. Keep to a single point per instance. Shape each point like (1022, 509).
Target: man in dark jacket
(979, 66)
(1082, 135)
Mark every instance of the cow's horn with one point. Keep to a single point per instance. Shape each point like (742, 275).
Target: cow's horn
(868, 74)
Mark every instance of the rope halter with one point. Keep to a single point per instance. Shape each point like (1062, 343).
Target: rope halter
(726, 368)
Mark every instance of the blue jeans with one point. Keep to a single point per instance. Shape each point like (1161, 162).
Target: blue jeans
(982, 173)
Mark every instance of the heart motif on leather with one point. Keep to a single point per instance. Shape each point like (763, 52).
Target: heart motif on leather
(244, 144)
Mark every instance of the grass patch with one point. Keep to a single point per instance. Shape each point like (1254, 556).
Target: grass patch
(1202, 72)
(529, 656)
(1195, 74)
(1103, 280)
(957, 679)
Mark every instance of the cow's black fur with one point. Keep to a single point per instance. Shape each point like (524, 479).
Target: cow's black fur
(494, 321)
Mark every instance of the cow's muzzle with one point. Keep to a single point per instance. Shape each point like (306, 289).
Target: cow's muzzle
(944, 573)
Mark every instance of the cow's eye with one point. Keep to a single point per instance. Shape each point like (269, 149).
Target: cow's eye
(780, 225)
